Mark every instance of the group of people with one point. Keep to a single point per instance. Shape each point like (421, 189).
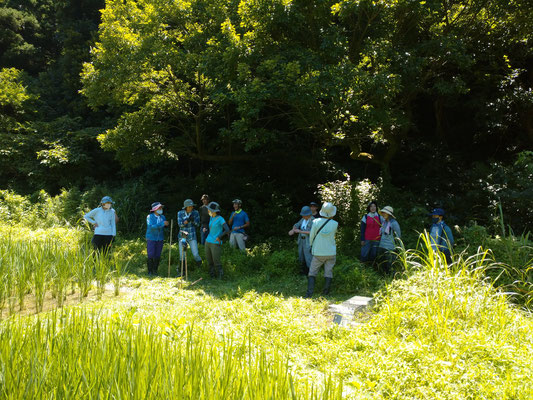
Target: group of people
(213, 228)
(315, 232)
(379, 230)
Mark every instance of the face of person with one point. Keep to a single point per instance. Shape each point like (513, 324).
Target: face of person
(306, 217)
(189, 209)
(205, 201)
(385, 215)
(314, 209)
(372, 208)
(436, 218)
(106, 206)
(236, 206)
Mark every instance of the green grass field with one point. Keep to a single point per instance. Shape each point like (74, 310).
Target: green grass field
(436, 332)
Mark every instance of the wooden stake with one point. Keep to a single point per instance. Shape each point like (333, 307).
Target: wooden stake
(170, 246)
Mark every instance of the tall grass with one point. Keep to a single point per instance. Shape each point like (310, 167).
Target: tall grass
(52, 261)
(77, 354)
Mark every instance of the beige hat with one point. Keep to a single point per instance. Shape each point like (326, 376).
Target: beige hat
(328, 210)
(388, 210)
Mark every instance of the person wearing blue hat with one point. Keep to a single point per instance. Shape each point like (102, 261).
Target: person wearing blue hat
(440, 234)
(188, 221)
(218, 228)
(104, 220)
(155, 235)
(238, 221)
(303, 228)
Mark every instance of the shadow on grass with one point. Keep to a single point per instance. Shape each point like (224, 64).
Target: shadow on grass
(260, 269)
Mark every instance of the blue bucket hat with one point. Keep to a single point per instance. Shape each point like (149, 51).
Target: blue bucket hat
(306, 211)
(437, 211)
(188, 203)
(213, 206)
(107, 199)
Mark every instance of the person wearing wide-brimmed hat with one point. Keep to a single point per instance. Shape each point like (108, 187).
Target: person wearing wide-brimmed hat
(155, 235)
(188, 221)
(370, 232)
(303, 228)
(218, 228)
(104, 219)
(389, 231)
(440, 234)
(323, 247)
(238, 221)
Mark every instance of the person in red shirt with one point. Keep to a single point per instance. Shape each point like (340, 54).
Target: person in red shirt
(370, 236)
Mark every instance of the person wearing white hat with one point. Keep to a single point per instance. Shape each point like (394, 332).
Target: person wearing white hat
(155, 234)
(389, 231)
(323, 247)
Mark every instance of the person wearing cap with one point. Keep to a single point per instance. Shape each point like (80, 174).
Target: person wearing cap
(218, 228)
(440, 234)
(314, 210)
(104, 220)
(323, 248)
(303, 228)
(155, 234)
(204, 218)
(389, 231)
(370, 232)
(188, 221)
(238, 221)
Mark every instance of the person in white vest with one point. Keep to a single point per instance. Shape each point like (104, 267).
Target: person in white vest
(323, 247)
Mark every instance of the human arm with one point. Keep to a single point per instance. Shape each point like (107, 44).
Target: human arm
(363, 230)
(196, 218)
(230, 221)
(116, 218)
(312, 233)
(152, 221)
(225, 231)
(89, 217)
(243, 226)
(396, 229)
(449, 235)
(182, 221)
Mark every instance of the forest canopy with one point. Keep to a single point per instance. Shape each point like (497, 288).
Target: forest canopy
(96, 91)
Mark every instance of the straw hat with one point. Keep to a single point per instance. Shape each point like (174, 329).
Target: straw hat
(388, 210)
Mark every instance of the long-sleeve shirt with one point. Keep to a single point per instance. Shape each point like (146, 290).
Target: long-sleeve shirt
(323, 243)
(155, 227)
(441, 236)
(389, 230)
(105, 219)
(304, 225)
(190, 227)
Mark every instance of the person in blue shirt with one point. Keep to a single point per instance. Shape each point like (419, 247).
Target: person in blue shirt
(213, 243)
(389, 231)
(104, 220)
(440, 234)
(238, 221)
(323, 247)
(188, 221)
(155, 234)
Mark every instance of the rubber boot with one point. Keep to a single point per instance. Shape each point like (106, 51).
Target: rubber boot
(220, 272)
(310, 287)
(327, 286)
(156, 265)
